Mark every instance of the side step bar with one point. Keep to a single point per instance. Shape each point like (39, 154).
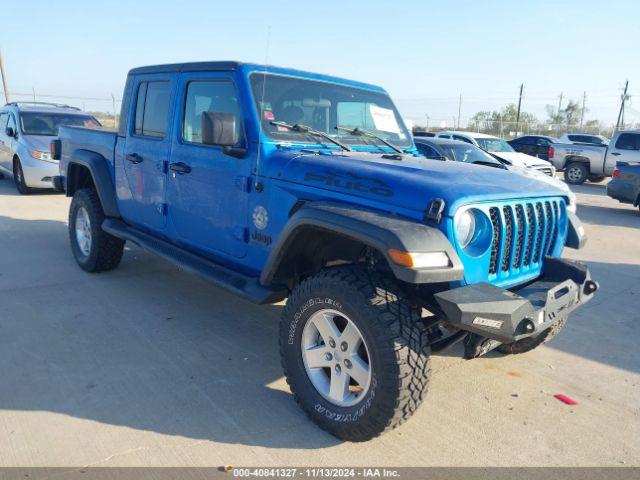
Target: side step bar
(247, 287)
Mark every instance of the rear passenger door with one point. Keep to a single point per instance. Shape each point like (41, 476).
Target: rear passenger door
(625, 149)
(141, 177)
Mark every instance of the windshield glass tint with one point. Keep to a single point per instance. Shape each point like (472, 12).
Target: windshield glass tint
(468, 153)
(34, 123)
(323, 106)
(494, 145)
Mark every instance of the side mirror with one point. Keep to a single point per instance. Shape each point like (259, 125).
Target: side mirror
(219, 128)
(10, 132)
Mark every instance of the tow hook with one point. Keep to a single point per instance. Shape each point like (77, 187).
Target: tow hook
(590, 287)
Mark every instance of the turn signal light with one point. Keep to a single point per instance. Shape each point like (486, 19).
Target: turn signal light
(552, 152)
(419, 259)
(616, 173)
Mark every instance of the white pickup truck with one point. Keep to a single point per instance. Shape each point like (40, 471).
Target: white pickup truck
(582, 162)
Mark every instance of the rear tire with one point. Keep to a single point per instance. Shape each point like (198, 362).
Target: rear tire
(18, 178)
(529, 343)
(576, 173)
(94, 249)
(392, 348)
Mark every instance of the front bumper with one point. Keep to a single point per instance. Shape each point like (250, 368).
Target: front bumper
(39, 173)
(507, 316)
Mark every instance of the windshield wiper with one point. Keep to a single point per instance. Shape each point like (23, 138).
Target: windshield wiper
(367, 133)
(304, 129)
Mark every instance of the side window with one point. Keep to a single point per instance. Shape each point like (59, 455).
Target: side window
(461, 139)
(3, 122)
(205, 96)
(628, 141)
(427, 151)
(444, 136)
(152, 108)
(543, 142)
(11, 122)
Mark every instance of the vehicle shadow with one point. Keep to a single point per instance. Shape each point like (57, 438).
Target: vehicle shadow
(149, 347)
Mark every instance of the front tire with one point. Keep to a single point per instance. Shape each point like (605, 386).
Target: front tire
(18, 178)
(576, 173)
(354, 353)
(94, 249)
(529, 343)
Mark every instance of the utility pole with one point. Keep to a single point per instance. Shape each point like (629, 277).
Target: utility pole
(519, 105)
(558, 112)
(427, 127)
(584, 101)
(459, 110)
(4, 80)
(115, 122)
(623, 100)
(34, 93)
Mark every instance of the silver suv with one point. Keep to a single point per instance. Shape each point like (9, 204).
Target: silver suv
(26, 131)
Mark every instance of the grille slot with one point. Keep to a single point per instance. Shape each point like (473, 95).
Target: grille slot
(495, 243)
(508, 237)
(517, 254)
(531, 228)
(554, 234)
(537, 249)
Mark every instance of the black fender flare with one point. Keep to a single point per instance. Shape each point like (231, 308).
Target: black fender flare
(99, 169)
(376, 229)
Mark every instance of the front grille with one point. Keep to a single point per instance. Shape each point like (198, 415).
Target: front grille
(523, 233)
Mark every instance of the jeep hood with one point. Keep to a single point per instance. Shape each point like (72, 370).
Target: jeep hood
(411, 183)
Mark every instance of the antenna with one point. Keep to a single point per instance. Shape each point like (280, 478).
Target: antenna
(258, 185)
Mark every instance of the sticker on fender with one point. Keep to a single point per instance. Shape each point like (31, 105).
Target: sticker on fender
(487, 322)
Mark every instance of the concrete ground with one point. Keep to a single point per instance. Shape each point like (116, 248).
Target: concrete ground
(150, 366)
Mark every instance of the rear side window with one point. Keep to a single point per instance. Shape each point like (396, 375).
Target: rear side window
(444, 136)
(208, 96)
(628, 141)
(3, 122)
(152, 108)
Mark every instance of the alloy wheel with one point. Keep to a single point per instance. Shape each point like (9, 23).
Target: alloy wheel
(336, 358)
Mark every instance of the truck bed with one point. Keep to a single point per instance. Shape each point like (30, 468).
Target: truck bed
(101, 141)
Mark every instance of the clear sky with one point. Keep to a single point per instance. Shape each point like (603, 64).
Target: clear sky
(425, 53)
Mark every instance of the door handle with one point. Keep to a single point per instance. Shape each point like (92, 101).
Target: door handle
(180, 167)
(615, 154)
(134, 158)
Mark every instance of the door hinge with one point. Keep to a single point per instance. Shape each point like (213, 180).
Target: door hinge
(243, 184)
(241, 234)
(165, 166)
(161, 208)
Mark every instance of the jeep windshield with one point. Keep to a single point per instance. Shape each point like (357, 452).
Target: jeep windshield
(323, 106)
(47, 124)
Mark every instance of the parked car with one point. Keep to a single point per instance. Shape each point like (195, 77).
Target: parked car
(587, 138)
(534, 145)
(625, 184)
(497, 146)
(455, 150)
(26, 130)
(582, 162)
(275, 183)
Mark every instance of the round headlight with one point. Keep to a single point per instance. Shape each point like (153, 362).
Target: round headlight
(465, 228)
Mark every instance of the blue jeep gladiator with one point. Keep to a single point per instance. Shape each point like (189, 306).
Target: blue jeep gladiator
(275, 183)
